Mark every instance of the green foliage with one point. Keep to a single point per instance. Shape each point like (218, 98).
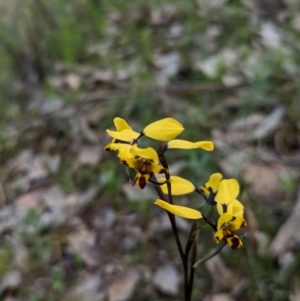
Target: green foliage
(5, 258)
(65, 179)
(57, 281)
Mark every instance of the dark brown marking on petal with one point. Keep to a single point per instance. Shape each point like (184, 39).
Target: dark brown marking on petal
(235, 242)
(211, 199)
(142, 182)
(143, 168)
(244, 224)
(121, 141)
(227, 233)
(124, 162)
(224, 208)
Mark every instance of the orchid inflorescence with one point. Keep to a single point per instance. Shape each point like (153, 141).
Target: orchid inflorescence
(218, 193)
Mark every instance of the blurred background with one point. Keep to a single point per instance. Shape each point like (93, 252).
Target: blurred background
(71, 225)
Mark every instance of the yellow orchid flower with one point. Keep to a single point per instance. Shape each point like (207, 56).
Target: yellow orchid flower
(124, 134)
(145, 161)
(231, 222)
(184, 144)
(163, 130)
(212, 185)
(227, 224)
(182, 211)
(179, 186)
(228, 191)
(223, 193)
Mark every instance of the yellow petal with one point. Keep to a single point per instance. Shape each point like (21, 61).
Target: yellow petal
(163, 130)
(124, 135)
(230, 222)
(228, 191)
(224, 219)
(179, 186)
(107, 146)
(219, 235)
(179, 210)
(214, 182)
(234, 207)
(130, 162)
(122, 148)
(157, 168)
(121, 124)
(148, 153)
(184, 144)
(237, 223)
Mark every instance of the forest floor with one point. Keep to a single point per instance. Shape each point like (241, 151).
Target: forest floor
(72, 227)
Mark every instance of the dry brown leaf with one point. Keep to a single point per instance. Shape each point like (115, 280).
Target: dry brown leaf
(89, 155)
(87, 132)
(295, 294)
(266, 180)
(219, 297)
(268, 125)
(134, 193)
(265, 176)
(246, 124)
(221, 275)
(73, 81)
(166, 279)
(11, 281)
(31, 200)
(89, 288)
(287, 234)
(82, 241)
(123, 285)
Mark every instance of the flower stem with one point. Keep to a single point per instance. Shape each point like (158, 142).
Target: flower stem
(178, 243)
(183, 256)
(192, 245)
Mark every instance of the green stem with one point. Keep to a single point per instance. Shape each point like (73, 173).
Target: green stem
(210, 255)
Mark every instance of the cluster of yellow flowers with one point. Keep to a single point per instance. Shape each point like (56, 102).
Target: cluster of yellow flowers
(147, 162)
